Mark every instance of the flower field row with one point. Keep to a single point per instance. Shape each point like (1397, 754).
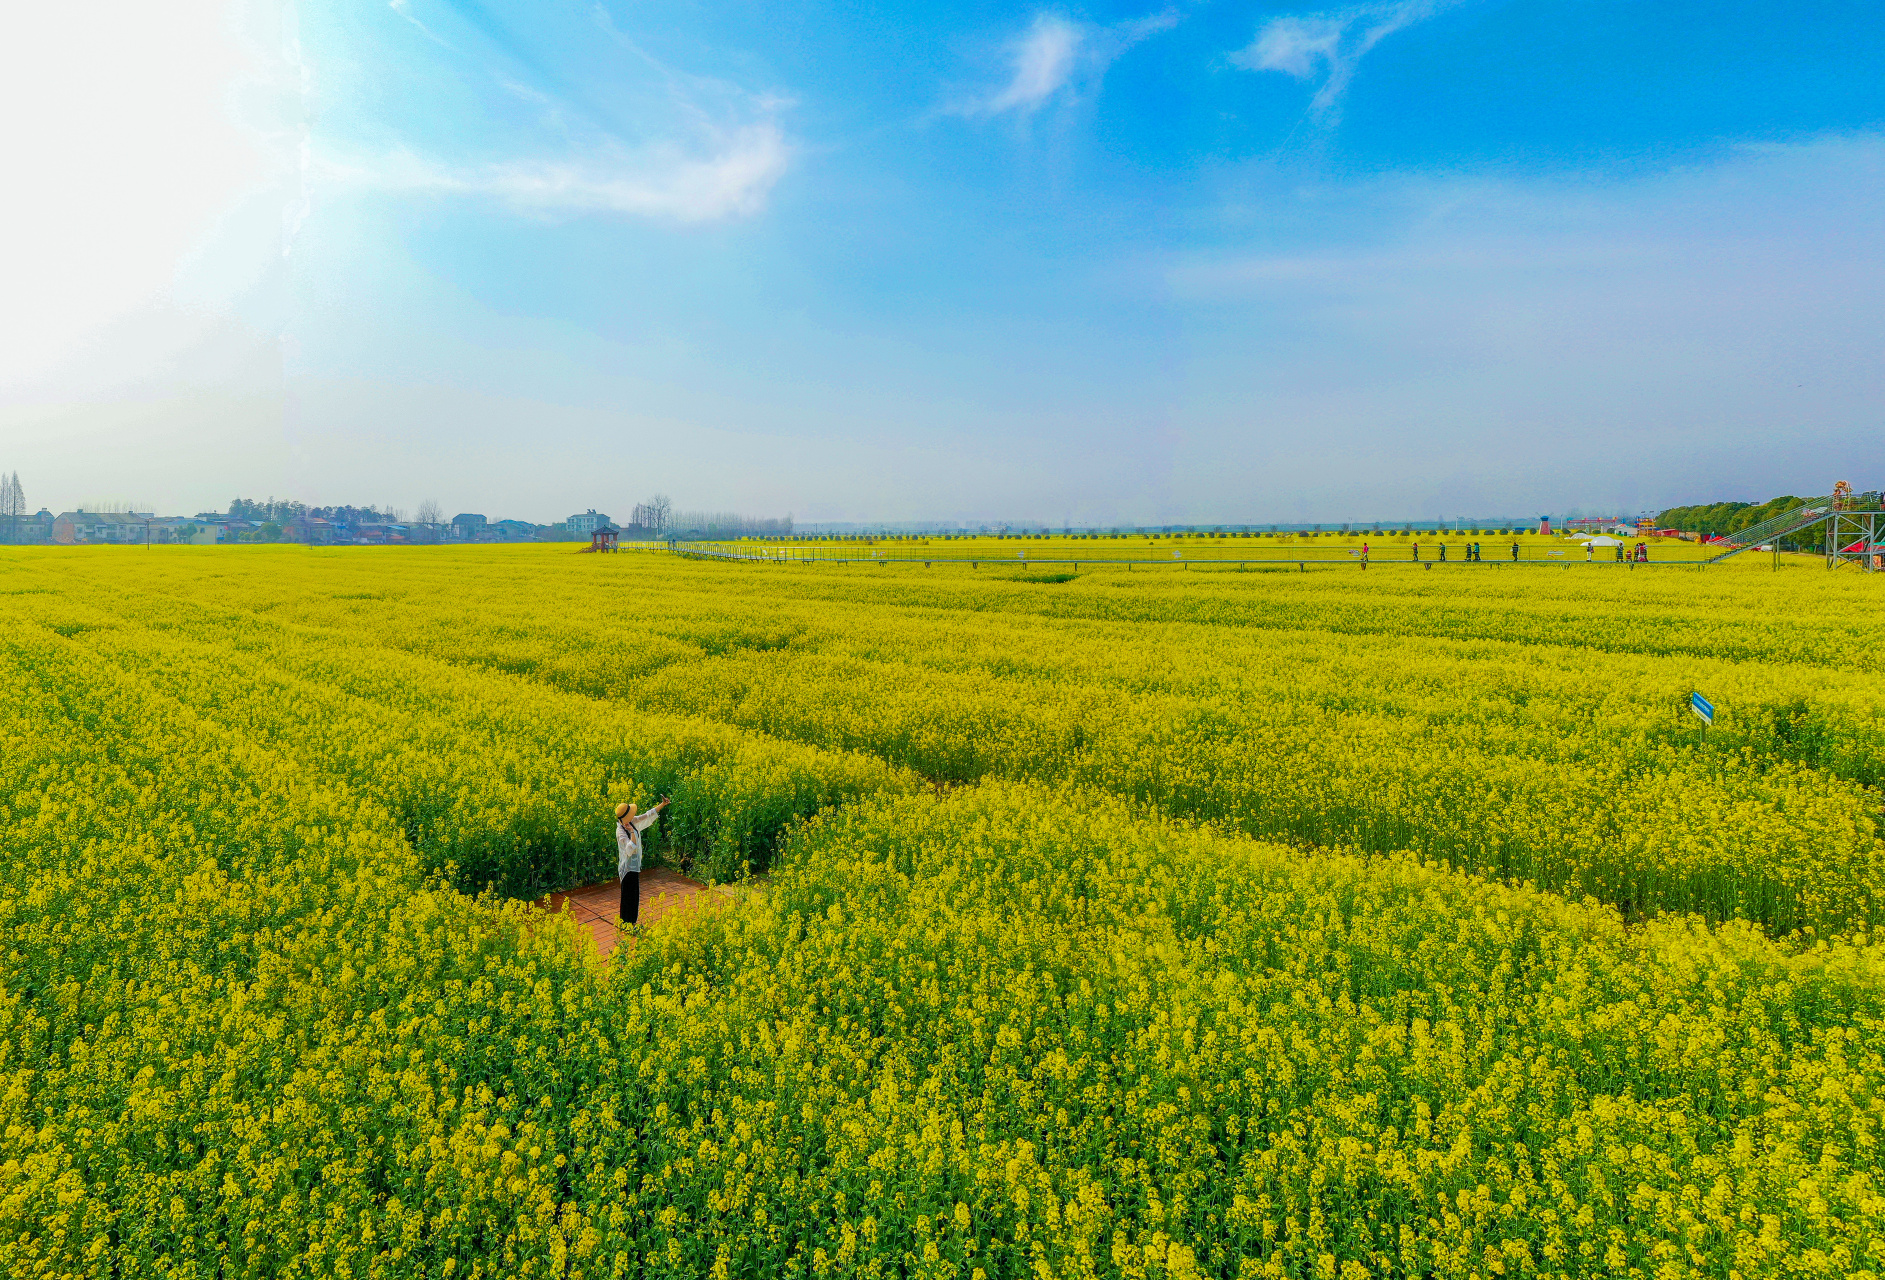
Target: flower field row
(270, 1008)
(506, 782)
(1021, 1030)
(1538, 732)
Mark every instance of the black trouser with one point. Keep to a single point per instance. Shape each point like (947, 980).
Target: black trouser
(631, 897)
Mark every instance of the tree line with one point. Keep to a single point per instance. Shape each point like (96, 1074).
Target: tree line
(283, 510)
(1718, 518)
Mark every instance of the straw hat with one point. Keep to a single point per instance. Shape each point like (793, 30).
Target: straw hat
(625, 809)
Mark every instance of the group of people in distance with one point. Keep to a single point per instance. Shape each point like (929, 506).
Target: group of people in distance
(1638, 554)
(1474, 551)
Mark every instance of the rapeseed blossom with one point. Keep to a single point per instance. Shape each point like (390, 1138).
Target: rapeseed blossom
(1210, 954)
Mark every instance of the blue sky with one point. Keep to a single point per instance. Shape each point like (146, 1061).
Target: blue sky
(1106, 263)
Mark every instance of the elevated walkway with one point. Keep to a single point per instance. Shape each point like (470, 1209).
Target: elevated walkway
(1854, 525)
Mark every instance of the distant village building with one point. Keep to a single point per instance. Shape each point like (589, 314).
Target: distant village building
(514, 530)
(312, 530)
(171, 528)
(467, 525)
(98, 526)
(26, 529)
(586, 523)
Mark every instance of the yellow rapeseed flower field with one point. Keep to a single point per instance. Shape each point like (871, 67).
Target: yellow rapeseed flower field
(1324, 923)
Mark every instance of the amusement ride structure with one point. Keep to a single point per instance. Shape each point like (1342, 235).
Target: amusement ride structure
(1854, 529)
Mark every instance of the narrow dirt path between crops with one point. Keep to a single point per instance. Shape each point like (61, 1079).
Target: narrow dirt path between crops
(663, 893)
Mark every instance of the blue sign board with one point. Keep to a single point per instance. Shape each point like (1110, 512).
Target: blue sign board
(1702, 707)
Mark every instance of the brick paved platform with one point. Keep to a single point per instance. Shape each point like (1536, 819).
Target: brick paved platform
(663, 892)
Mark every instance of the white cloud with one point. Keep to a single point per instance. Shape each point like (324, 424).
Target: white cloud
(728, 174)
(1300, 47)
(1327, 47)
(1043, 63)
(653, 142)
(1058, 56)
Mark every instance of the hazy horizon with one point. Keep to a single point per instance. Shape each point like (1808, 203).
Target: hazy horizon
(1117, 265)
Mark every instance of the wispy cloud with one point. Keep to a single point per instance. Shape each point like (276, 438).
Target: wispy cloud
(656, 144)
(1043, 64)
(731, 178)
(1327, 47)
(1057, 57)
(404, 9)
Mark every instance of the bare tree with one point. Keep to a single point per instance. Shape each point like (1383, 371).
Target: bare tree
(655, 515)
(728, 524)
(12, 504)
(429, 512)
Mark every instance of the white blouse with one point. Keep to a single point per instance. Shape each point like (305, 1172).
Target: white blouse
(628, 842)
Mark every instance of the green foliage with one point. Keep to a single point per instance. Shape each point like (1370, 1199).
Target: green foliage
(1715, 519)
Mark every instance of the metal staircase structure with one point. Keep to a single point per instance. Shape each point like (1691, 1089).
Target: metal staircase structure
(1854, 527)
(1856, 532)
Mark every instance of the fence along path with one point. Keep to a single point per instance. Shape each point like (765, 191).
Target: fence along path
(1181, 559)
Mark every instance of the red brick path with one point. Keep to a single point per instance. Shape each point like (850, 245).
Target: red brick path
(597, 908)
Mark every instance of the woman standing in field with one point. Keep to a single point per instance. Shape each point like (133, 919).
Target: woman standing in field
(628, 829)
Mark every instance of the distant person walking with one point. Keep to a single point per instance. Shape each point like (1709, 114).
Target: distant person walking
(1443, 553)
(1515, 549)
(628, 828)
(1416, 551)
